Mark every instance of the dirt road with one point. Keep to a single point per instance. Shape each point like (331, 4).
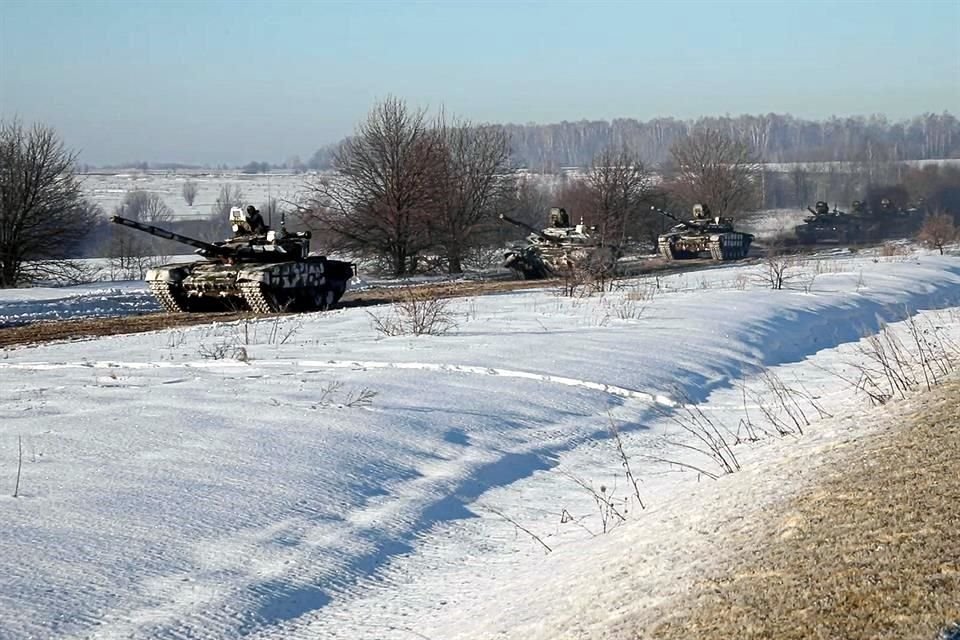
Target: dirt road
(39, 332)
(85, 328)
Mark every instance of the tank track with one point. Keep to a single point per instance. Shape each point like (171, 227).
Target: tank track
(720, 252)
(258, 299)
(166, 295)
(665, 250)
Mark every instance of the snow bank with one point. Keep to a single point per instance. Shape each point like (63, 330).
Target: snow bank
(308, 477)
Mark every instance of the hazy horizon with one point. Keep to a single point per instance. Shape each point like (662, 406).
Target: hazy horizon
(229, 83)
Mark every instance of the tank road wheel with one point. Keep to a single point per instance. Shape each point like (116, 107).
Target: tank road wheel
(169, 298)
(321, 299)
(716, 251)
(260, 299)
(324, 298)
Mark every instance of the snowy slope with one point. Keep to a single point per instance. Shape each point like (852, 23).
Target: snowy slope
(231, 480)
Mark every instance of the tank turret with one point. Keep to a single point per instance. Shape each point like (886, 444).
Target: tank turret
(830, 226)
(822, 209)
(258, 269)
(557, 248)
(703, 234)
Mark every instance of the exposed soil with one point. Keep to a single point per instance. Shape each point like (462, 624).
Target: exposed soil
(871, 552)
(85, 328)
(48, 331)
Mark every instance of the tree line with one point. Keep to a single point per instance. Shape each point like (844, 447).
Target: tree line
(405, 188)
(773, 137)
(411, 192)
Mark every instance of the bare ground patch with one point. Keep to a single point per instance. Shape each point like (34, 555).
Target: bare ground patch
(870, 552)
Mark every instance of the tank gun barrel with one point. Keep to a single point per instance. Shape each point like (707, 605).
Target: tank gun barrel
(667, 214)
(525, 226)
(205, 248)
(810, 209)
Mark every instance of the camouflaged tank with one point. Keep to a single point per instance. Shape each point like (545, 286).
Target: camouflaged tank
(703, 235)
(828, 226)
(264, 271)
(886, 220)
(549, 252)
(864, 223)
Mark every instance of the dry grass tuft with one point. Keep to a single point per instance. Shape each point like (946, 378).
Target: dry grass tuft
(873, 552)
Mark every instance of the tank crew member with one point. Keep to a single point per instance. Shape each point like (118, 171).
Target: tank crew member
(559, 217)
(255, 220)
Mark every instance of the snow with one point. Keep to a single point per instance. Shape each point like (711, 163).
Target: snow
(108, 190)
(20, 306)
(307, 477)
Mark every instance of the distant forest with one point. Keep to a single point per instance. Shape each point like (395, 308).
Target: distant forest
(773, 137)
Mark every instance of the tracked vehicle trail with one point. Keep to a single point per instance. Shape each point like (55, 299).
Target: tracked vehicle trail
(49, 331)
(86, 328)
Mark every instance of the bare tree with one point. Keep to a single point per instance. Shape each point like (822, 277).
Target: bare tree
(385, 189)
(130, 255)
(189, 192)
(474, 185)
(229, 197)
(43, 215)
(576, 196)
(144, 206)
(715, 170)
(620, 186)
(800, 181)
(937, 231)
(132, 252)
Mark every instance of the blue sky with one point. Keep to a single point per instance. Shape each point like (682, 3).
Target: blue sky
(244, 80)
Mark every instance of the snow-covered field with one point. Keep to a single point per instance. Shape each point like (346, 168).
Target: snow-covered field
(108, 190)
(308, 477)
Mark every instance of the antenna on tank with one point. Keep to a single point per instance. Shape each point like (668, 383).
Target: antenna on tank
(269, 202)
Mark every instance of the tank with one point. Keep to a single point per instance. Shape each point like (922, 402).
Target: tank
(258, 269)
(889, 221)
(702, 236)
(864, 223)
(549, 252)
(826, 226)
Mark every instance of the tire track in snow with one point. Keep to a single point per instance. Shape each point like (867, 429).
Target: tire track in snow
(359, 365)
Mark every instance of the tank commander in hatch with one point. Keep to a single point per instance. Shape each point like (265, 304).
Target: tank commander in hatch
(255, 220)
(559, 217)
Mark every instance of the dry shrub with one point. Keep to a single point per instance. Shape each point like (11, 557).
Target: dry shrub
(416, 313)
(891, 250)
(627, 308)
(223, 350)
(780, 269)
(887, 367)
(938, 231)
(710, 438)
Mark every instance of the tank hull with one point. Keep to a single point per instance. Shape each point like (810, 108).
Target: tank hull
(727, 245)
(311, 284)
(541, 262)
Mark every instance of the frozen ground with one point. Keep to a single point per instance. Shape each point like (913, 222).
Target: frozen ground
(19, 306)
(308, 477)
